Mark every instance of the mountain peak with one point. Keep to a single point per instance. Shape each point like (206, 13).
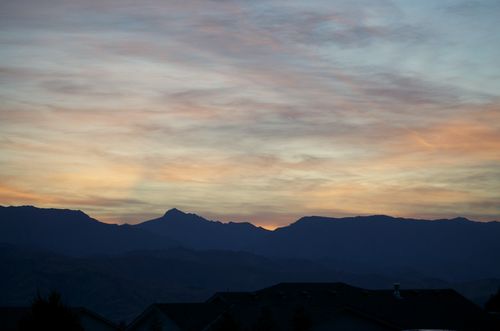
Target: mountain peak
(176, 215)
(174, 212)
(461, 219)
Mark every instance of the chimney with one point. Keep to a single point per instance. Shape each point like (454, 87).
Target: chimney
(396, 292)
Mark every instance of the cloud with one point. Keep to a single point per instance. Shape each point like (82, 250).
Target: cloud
(471, 7)
(70, 87)
(260, 110)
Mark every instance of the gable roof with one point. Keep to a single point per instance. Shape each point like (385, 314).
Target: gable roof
(190, 316)
(84, 311)
(327, 302)
(436, 309)
(187, 316)
(421, 309)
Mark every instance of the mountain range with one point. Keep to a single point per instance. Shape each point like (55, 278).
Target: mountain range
(118, 269)
(454, 249)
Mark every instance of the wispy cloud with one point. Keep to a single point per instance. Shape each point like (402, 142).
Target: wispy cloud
(261, 110)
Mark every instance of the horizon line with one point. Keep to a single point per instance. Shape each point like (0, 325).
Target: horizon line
(268, 228)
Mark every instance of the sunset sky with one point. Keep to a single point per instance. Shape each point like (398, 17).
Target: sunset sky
(260, 111)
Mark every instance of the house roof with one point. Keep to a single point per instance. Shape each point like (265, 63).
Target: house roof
(422, 309)
(325, 303)
(187, 316)
(437, 309)
(84, 311)
(191, 316)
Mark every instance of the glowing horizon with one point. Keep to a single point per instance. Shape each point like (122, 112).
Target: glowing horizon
(257, 111)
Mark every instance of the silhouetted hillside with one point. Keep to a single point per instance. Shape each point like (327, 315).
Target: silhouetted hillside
(72, 232)
(455, 250)
(118, 270)
(121, 286)
(197, 232)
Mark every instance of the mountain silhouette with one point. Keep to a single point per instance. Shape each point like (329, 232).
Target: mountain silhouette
(194, 231)
(118, 269)
(457, 249)
(72, 232)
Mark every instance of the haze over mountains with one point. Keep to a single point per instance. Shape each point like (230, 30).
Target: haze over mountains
(183, 257)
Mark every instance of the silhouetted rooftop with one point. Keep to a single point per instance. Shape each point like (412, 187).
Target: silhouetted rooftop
(187, 316)
(413, 309)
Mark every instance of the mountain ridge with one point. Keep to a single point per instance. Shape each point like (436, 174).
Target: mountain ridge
(72, 232)
(183, 256)
(176, 213)
(456, 249)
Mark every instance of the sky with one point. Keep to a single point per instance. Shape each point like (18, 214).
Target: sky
(260, 111)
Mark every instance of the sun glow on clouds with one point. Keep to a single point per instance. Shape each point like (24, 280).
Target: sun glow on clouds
(258, 111)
